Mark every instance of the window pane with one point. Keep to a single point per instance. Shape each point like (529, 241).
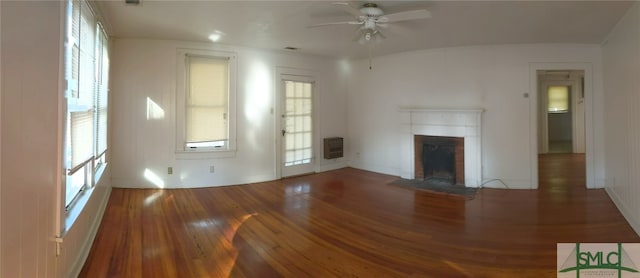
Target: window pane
(558, 99)
(306, 143)
(87, 77)
(102, 94)
(81, 137)
(290, 144)
(74, 184)
(86, 72)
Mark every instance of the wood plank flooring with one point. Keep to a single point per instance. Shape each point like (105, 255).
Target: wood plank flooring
(351, 223)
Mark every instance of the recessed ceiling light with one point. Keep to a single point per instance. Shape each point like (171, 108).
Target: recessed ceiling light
(216, 35)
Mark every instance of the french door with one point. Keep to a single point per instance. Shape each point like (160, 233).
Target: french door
(297, 126)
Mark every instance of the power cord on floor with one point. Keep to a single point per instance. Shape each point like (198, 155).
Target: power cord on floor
(492, 180)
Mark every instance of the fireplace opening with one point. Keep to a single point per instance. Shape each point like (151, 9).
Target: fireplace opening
(439, 159)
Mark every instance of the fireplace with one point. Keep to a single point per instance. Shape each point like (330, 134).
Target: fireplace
(463, 125)
(439, 159)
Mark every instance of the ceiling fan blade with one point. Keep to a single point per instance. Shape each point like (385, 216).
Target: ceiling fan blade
(407, 15)
(335, 23)
(348, 8)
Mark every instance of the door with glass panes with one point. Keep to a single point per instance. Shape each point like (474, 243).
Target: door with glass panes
(297, 126)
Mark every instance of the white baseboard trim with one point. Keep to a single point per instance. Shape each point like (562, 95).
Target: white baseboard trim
(374, 168)
(331, 166)
(230, 180)
(626, 213)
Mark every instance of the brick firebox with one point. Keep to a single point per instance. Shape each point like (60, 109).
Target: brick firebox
(455, 143)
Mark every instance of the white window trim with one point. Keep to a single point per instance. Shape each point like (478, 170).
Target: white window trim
(181, 81)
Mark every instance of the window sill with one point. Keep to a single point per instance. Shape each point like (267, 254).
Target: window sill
(204, 154)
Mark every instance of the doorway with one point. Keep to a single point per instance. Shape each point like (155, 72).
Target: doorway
(561, 129)
(297, 128)
(561, 110)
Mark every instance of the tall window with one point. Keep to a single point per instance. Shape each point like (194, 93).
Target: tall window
(205, 100)
(207, 94)
(87, 75)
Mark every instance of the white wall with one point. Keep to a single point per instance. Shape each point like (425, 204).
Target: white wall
(621, 60)
(32, 117)
(490, 77)
(31, 47)
(77, 240)
(146, 70)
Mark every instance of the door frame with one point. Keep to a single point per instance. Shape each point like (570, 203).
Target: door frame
(280, 74)
(590, 123)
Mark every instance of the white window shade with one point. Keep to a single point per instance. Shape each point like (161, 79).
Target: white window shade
(558, 99)
(207, 99)
(102, 96)
(81, 137)
(82, 84)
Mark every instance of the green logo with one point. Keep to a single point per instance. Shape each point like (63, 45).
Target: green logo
(598, 258)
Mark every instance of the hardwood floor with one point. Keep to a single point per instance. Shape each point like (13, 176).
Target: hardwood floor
(351, 223)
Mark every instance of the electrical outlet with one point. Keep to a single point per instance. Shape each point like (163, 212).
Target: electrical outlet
(170, 170)
(211, 169)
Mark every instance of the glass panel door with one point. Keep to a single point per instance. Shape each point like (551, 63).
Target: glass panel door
(297, 127)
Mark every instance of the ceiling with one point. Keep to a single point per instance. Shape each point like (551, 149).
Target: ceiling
(280, 24)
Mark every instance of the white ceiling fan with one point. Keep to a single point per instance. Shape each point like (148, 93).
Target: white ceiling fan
(370, 17)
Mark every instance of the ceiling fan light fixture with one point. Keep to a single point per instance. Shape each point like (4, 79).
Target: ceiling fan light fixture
(366, 37)
(371, 10)
(370, 24)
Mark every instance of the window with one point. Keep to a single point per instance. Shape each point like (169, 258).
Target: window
(558, 99)
(87, 76)
(205, 101)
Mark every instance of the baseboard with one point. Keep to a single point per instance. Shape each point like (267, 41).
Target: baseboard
(93, 231)
(199, 183)
(626, 213)
(374, 168)
(331, 166)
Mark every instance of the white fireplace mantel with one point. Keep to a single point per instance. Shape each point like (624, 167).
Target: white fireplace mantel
(466, 123)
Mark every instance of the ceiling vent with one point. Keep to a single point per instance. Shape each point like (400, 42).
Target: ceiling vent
(132, 2)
